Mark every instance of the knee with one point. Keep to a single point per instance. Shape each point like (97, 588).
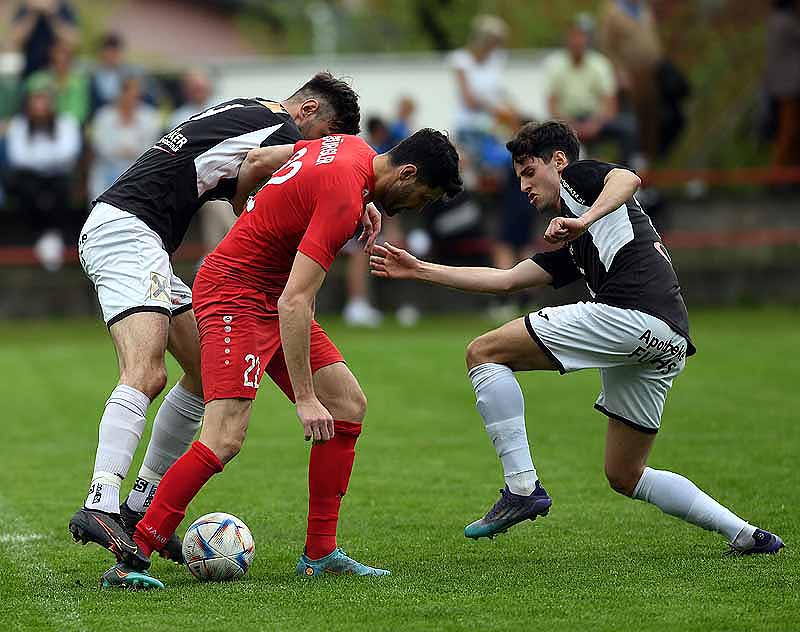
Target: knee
(479, 351)
(623, 480)
(352, 407)
(149, 378)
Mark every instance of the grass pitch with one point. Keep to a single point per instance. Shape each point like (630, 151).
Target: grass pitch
(424, 469)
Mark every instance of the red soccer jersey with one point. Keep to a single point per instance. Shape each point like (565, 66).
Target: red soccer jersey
(312, 204)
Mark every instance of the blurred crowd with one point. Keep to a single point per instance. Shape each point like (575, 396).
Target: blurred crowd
(72, 126)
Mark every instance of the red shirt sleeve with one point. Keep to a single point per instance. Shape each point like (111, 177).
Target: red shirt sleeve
(337, 212)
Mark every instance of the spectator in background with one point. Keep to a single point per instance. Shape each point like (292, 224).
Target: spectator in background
(628, 36)
(43, 147)
(70, 83)
(105, 83)
(582, 91)
(783, 79)
(120, 133)
(401, 127)
(482, 100)
(35, 28)
(197, 92)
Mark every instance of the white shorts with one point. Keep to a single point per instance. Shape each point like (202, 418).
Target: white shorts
(638, 356)
(125, 260)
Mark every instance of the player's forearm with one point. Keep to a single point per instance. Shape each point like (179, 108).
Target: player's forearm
(620, 185)
(481, 280)
(295, 315)
(258, 165)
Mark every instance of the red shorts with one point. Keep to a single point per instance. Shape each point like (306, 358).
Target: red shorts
(240, 340)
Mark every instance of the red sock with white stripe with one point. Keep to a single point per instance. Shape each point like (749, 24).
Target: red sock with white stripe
(328, 477)
(177, 489)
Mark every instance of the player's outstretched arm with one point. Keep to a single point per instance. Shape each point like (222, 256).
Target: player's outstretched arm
(258, 165)
(295, 313)
(390, 262)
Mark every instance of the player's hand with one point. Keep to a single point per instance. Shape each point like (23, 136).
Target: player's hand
(316, 420)
(389, 262)
(563, 229)
(370, 227)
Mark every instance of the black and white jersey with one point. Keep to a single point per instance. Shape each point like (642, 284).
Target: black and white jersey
(197, 161)
(620, 256)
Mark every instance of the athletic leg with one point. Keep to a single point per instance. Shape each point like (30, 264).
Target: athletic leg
(331, 462)
(221, 439)
(139, 340)
(626, 468)
(491, 360)
(179, 416)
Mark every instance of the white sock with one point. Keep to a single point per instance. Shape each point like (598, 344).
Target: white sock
(679, 497)
(502, 407)
(121, 429)
(176, 423)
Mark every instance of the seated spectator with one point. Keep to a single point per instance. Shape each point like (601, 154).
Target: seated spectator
(35, 28)
(582, 92)
(120, 133)
(43, 147)
(198, 95)
(70, 83)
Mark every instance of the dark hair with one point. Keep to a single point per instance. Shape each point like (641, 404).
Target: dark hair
(112, 40)
(540, 140)
(375, 124)
(337, 94)
(435, 158)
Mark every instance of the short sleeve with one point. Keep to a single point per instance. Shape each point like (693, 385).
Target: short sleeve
(551, 73)
(605, 76)
(559, 265)
(459, 60)
(334, 222)
(286, 134)
(587, 178)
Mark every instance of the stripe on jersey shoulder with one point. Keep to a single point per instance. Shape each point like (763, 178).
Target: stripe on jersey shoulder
(609, 234)
(223, 159)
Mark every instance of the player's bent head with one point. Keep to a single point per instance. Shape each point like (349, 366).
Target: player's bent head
(541, 151)
(424, 169)
(542, 140)
(327, 106)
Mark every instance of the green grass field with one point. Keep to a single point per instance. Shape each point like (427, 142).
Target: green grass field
(424, 469)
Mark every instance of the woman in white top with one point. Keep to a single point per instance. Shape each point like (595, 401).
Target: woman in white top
(120, 133)
(478, 67)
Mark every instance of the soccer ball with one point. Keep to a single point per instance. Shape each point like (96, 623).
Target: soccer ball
(218, 547)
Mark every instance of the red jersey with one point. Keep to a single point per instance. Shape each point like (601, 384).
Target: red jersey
(313, 204)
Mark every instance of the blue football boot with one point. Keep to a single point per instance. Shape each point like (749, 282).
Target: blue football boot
(336, 563)
(509, 510)
(122, 576)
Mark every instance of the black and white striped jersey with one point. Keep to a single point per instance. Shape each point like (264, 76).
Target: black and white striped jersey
(621, 256)
(197, 161)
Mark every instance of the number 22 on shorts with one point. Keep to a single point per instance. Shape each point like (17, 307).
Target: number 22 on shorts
(253, 370)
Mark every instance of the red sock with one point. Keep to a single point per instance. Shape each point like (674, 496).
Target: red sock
(328, 476)
(176, 490)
